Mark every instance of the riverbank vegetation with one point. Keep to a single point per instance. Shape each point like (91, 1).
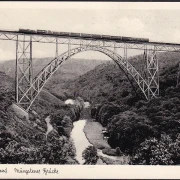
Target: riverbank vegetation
(63, 118)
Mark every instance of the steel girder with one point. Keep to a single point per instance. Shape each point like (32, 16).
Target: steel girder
(39, 81)
(93, 42)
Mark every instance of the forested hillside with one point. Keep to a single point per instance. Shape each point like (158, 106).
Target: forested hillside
(26, 141)
(148, 131)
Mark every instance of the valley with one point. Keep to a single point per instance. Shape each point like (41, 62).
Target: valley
(139, 132)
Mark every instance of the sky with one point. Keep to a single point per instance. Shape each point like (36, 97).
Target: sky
(156, 21)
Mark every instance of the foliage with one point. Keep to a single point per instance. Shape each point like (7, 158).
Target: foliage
(127, 130)
(90, 155)
(24, 142)
(104, 112)
(52, 151)
(158, 152)
(64, 117)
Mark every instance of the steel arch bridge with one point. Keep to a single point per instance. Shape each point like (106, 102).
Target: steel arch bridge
(28, 87)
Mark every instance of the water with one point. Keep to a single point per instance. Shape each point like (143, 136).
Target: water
(49, 126)
(79, 138)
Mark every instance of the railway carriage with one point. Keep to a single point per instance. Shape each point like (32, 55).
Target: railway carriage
(106, 37)
(74, 34)
(64, 33)
(116, 38)
(28, 31)
(39, 31)
(94, 36)
(86, 35)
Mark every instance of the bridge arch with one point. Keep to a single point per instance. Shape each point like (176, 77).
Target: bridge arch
(43, 76)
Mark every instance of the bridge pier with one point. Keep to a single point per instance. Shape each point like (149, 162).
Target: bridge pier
(152, 74)
(18, 111)
(24, 72)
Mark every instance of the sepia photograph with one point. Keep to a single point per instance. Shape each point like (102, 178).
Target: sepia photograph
(88, 83)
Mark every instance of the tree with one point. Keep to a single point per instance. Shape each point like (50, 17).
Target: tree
(158, 152)
(90, 155)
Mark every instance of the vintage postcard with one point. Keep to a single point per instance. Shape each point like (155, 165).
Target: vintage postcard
(89, 90)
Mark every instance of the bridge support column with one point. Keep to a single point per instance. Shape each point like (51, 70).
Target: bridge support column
(125, 52)
(24, 73)
(152, 74)
(57, 53)
(69, 46)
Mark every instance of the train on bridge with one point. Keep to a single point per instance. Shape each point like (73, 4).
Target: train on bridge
(83, 35)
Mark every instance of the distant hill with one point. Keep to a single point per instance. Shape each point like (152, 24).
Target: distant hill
(69, 70)
(6, 82)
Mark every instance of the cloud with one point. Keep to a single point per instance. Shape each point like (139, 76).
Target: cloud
(133, 24)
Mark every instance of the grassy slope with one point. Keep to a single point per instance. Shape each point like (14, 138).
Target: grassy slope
(93, 132)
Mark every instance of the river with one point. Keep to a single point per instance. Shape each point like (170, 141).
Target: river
(49, 126)
(78, 136)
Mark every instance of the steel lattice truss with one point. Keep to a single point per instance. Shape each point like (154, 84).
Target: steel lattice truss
(48, 71)
(27, 88)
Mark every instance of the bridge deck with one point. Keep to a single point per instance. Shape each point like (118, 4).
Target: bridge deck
(76, 40)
